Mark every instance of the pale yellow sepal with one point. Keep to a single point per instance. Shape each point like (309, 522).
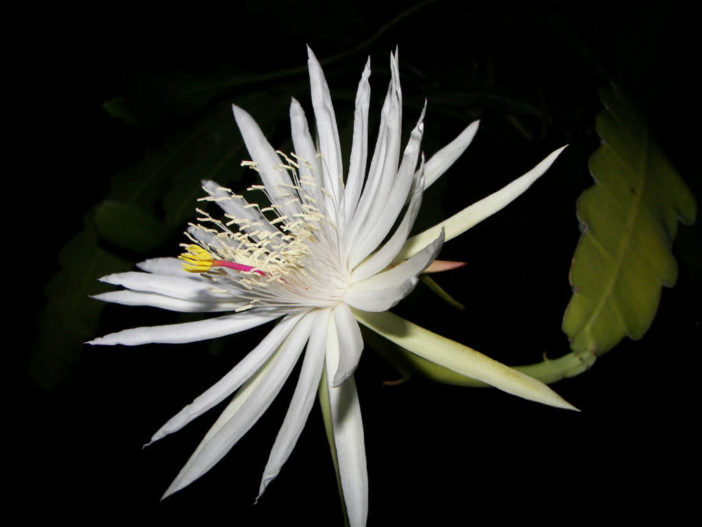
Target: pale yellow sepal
(459, 358)
(477, 212)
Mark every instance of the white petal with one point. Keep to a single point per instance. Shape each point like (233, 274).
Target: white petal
(310, 172)
(245, 409)
(350, 448)
(326, 129)
(369, 299)
(460, 358)
(167, 266)
(384, 290)
(359, 146)
(270, 167)
(138, 298)
(386, 254)
(350, 344)
(383, 166)
(384, 214)
(238, 375)
(447, 156)
(301, 402)
(406, 269)
(187, 288)
(477, 212)
(189, 331)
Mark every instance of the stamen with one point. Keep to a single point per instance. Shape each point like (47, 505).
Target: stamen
(199, 260)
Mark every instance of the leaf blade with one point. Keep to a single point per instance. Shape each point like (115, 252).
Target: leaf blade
(630, 218)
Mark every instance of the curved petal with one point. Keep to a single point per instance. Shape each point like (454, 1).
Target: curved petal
(347, 426)
(138, 298)
(387, 253)
(231, 382)
(384, 290)
(187, 288)
(270, 167)
(477, 212)
(350, 344)
(359, 145)
(309, 171)
(167, 266)
(369, 299)
(384, 214)
(327, 131)
(460, 358)
(245, 409)
(189, 331)
(301, 402)
(383, 166)
(447, 156)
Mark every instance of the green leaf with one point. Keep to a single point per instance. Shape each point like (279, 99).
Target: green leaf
(70, 316)
(130, 227)
(458, 358)
(629, 219)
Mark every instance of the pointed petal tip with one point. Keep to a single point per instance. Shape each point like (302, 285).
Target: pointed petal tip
(438, 266)
(100, 341)
(174, 487)
(311, 57)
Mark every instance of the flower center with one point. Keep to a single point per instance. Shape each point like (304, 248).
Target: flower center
(292, 257)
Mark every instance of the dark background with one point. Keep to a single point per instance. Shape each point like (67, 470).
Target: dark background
(435, 452)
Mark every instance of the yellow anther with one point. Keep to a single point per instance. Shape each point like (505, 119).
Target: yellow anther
(197, 259)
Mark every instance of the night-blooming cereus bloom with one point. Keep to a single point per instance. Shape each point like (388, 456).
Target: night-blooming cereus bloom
(321, 258)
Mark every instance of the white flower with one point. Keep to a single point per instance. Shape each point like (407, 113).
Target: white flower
(321, 258)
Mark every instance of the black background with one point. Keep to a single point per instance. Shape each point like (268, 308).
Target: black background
(439, 453)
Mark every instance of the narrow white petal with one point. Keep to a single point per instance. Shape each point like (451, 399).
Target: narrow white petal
(477, 212)
(359, 146)
(189, 331)
(384, 213)
(187, 288)
(406, 269)
(270, 167)
(386, 254)
(350, 344)
(167, 266)
(447, 156)
(310, 172)
(245, 409)
(384, 290)
(350, 449)
(231, 382)
(369, 299)
(459, 358)
(301, 402)
(383, 166)
(326, 129)
(138, 298)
